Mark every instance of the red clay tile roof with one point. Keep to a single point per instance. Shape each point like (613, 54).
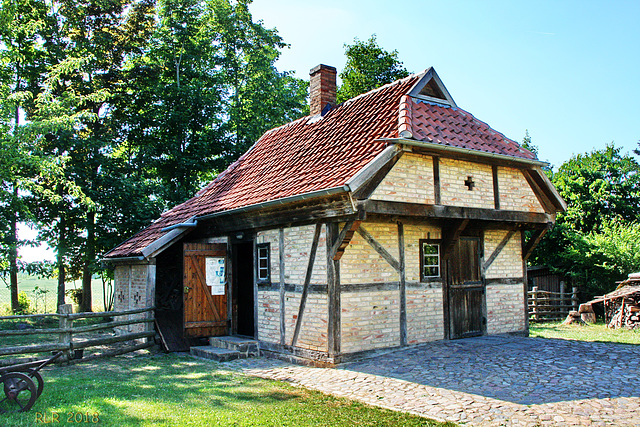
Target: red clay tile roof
(312, 154)
(454, 127)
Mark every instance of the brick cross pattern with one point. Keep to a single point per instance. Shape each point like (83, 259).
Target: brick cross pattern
(137, 297)
(121, 296)
(469, 183)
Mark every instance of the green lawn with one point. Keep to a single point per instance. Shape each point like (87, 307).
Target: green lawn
(46, 301)
(598, 332)
(177, 390)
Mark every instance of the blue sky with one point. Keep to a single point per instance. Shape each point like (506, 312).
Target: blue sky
(568, 71)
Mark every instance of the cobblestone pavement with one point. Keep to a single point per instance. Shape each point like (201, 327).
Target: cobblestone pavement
(490, 381)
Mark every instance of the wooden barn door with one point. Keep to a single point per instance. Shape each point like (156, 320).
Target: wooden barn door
(466, 289)
(205, 290)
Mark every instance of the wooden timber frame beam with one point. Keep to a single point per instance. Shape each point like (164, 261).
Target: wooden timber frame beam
(498, 249)
(450, 237)
(333, 292)
(343, 239)
(307, 280)
(379, 248)
(528, 247)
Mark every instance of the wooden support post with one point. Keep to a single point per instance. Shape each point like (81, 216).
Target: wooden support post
(333, 294)
(436, 180)
(534, 304)
(496, 188)
(307, 281)
(563, 296)
(282, 286)
(65, 338)
(574, 298)
(402, 287)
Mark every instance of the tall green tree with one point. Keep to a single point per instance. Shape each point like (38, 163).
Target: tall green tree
(23, 32)
(205, 92)
(368, 67)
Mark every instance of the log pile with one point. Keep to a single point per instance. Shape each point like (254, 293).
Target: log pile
(622, 306)
(624, 313)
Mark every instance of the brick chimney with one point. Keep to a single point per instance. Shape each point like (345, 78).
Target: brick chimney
(322, 88)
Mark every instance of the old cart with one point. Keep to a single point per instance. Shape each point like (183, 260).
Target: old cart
(22, 385)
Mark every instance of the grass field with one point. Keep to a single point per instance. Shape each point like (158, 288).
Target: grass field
(598, 332)
(175, 390)
(46, 302)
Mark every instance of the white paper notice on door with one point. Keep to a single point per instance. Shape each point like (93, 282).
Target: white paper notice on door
(215, 273)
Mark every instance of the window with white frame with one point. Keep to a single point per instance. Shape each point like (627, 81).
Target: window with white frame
(429, 259)
(264, 262)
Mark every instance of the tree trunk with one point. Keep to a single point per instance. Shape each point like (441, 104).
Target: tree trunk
(61, 252)
(13, 254)
(87, 270)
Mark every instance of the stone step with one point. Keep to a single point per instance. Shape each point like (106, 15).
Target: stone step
(247, 346)
(215, 353)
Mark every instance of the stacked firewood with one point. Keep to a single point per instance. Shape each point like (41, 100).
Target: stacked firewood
(625, 312)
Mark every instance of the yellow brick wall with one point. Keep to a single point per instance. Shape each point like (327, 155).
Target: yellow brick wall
(410, 180)
(425, 317)
(453, 192)
(509, 263)
(505, 308)
(515, 192)
(362, 264)
(369, 320)
(130, 287)
(297, 247)
(313, 330)
(269, 316)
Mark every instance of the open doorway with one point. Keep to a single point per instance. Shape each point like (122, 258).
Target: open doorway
(243, 301)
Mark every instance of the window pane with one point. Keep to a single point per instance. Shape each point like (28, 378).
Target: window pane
(431, 260)
(262, 252)
(263, 263)
(431, 271)
(430, 249)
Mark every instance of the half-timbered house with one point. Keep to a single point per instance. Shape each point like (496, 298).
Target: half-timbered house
(393, 219)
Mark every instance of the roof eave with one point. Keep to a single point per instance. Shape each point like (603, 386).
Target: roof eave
(446, 148)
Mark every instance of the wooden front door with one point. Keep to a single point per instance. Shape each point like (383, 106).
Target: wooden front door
(466, 290)
(205, 290)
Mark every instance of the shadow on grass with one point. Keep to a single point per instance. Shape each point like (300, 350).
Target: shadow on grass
(177, 390)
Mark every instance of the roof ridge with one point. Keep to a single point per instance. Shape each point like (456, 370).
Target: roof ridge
(385, 86)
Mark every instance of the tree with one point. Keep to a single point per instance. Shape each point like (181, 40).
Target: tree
(368, 67)
(203, 94)
(23, 31)
(590, 242)
(528, 145)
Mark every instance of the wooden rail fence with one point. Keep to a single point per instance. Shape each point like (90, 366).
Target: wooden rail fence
(66, 330)
(551, 305)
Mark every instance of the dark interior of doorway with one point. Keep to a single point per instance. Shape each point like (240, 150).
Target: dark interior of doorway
(243, 288)
(169, 305)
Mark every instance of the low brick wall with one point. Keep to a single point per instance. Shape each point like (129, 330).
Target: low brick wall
(505, 308)
(369, 320)
(425, 317)
(134, 287)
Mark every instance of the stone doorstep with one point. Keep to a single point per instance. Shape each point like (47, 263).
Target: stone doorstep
(246, 346)
(217, 354)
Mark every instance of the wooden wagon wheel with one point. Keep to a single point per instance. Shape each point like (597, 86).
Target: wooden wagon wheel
(20, 392)
(37, 379)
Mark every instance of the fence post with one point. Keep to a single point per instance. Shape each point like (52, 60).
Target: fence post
(574, 298)
(534, 305)
(65, 337)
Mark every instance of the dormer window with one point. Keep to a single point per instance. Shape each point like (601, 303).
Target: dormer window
(431, 89)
